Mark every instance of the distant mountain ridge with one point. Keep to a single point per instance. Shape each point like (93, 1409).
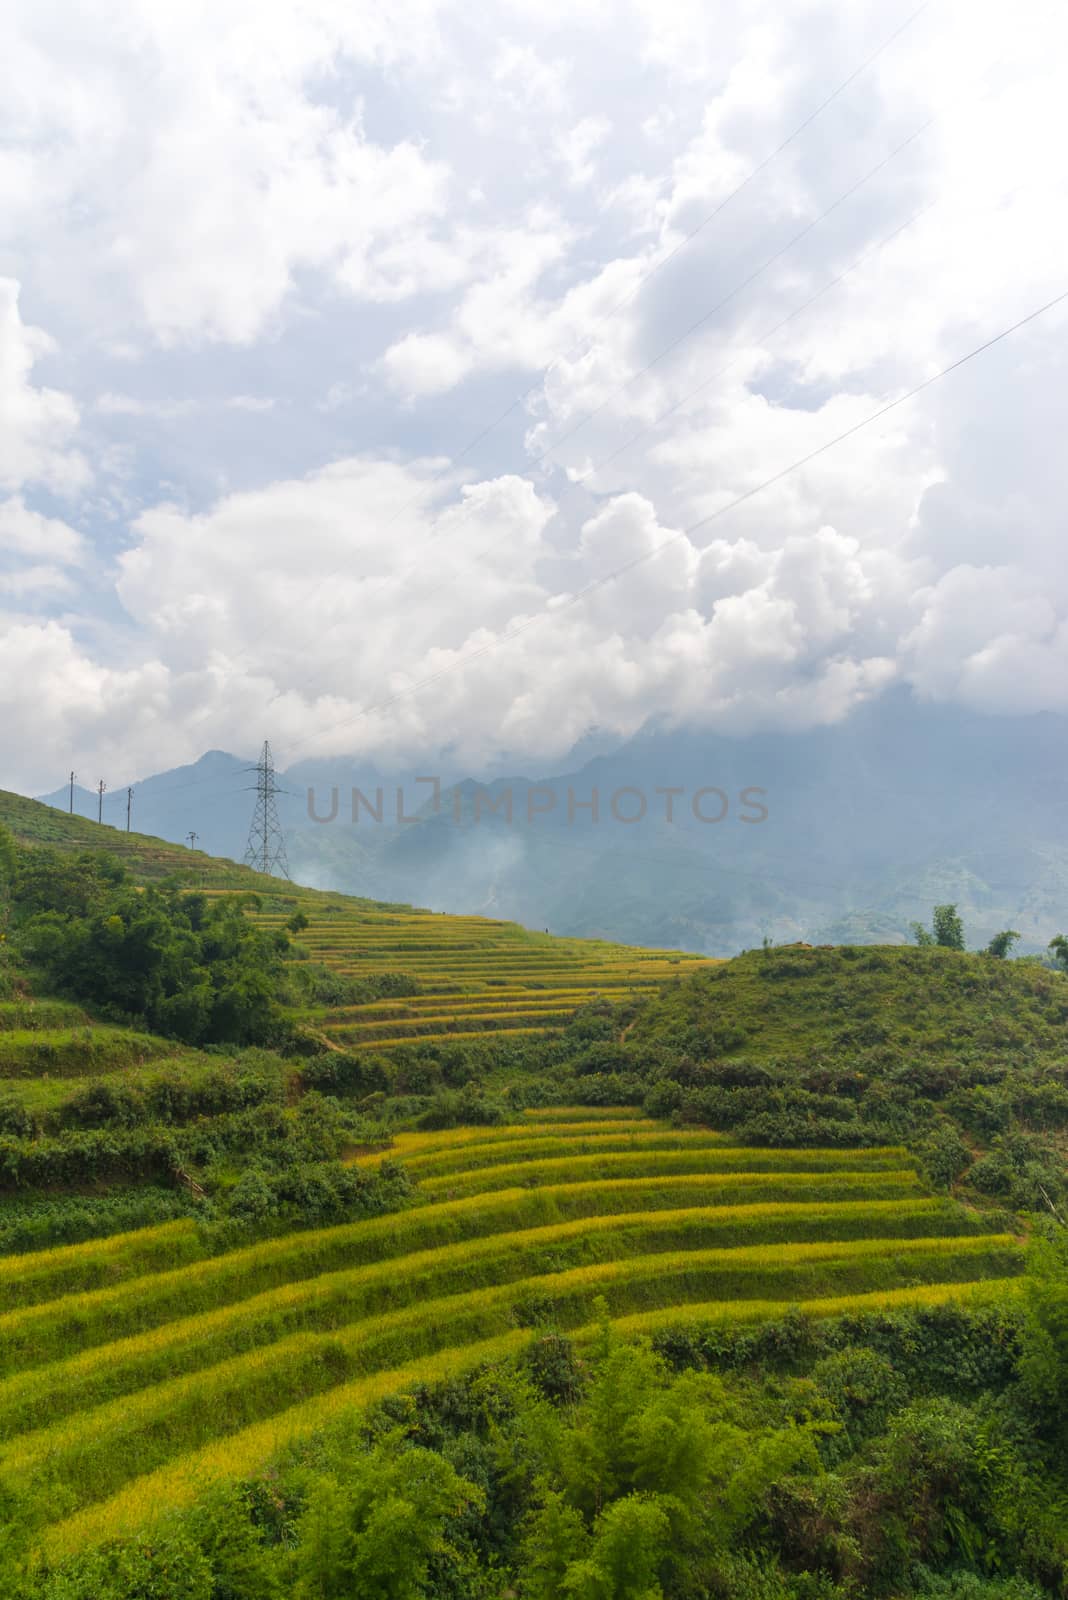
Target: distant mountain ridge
(867, 824)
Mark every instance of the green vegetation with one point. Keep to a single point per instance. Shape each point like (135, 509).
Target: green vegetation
(186, 966)
(947, 930)
(883, 1450)
(357, 1251)
(111, 1392)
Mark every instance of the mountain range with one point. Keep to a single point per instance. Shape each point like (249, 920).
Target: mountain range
(700, 841)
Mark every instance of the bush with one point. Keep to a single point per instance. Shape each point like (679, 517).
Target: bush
(864, 1390)
(187, 967)
(944, 1157)
(469, 1106)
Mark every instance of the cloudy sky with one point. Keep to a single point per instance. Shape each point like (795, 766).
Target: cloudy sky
(347, 350)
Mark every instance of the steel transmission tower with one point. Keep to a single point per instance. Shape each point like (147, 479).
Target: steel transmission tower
(266, 841)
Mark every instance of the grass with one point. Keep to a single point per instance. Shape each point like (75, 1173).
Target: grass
(408, 1145)
(77, 1268)
(139, 1368)
(397, 1042)
(970, 1292)
(572, 1114)
(332, 1300)
(76, 1321)
(108, 1263)
(878, 1003)
(88, 1050)
(181, 1482)
(721, 1159)
(30, 1015)
(146, 1376)
(92, 1453)
(477, 978)
(184, 1479)
(427, 1162)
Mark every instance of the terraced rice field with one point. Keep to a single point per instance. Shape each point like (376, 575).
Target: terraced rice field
(135, 1370)
(42, 1039)
(476, 977)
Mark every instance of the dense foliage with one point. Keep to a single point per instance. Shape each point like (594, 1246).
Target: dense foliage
(962, 1057)
(220, 1136)
(918, 1454)
(899, 1454)
(178, 963)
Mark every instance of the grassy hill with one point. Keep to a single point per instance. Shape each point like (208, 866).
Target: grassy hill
(150, 859)
(881, 1006)
(463, 976)
(466, 1154)
(119, 1398)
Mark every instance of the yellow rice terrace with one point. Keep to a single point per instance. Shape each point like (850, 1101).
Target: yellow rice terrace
(469, 976)
(352, 1250)
(118, 1400)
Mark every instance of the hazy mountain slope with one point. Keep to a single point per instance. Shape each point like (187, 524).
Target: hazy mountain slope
(868, 823)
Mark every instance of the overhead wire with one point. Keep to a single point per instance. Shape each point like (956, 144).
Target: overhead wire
(414, 566)
(658, 266)
(559, 607)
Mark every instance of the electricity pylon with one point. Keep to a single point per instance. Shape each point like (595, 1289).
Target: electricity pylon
(266, 841)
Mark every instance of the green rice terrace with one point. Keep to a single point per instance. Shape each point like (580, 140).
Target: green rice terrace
(128, 1383)
(276, 1165)
(472, 976)
(457, 977)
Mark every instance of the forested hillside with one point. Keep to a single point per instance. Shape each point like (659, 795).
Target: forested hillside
(350, 1250)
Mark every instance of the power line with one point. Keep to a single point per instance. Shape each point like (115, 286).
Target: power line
(597, 466)
(702, 522)
(749, 494)
(733, 294)
(646, 277)
(688, 238)
(711, 216)
(529, 465)
(695, 861)
(760, 338)
(537, 461)
(662, 861)
(777, 255)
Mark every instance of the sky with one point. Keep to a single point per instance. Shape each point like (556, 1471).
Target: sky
(384, 380)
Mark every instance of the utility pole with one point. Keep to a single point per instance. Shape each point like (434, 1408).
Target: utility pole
(266, 841)
(192, 837)
(129, 807)
(101, 786)
(72, 778)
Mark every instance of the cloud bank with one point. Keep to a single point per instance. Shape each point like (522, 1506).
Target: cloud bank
(347, 352)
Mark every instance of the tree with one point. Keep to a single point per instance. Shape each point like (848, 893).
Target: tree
(71, 885)
(1058, 947)
(948, 928)
(556, 1538)
(1001, 944)
(298, 922)
(373, 1535)
(181, 964)
(1044, 1359)
(631, 1538)
(654, 1469)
